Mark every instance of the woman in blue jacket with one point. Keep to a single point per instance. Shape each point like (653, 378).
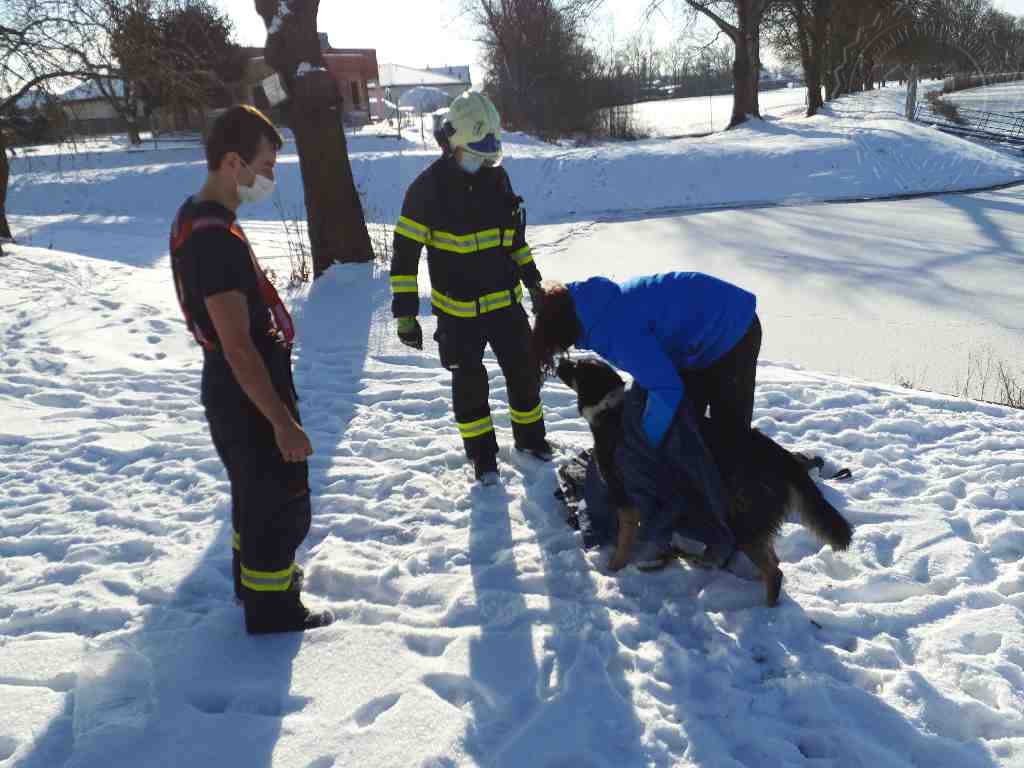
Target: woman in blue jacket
(678, 334)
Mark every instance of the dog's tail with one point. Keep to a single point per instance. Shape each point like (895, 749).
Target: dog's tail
(816, 513)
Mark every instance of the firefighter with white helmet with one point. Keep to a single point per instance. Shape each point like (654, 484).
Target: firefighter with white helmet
(463, 209)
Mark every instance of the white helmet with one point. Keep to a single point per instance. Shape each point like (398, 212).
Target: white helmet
(473, 123)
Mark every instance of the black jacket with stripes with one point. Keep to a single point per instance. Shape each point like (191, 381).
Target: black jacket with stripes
(474, 227)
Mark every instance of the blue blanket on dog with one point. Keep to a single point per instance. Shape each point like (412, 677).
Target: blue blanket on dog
(676, 487)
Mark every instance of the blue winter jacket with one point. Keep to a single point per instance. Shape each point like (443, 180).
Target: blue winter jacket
(654, 327)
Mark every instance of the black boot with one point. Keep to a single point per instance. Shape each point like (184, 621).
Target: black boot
(272, 612)
(539, 449)
(316, 619)
(486, 469)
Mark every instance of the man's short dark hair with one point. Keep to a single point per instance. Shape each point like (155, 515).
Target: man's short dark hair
(239, 129)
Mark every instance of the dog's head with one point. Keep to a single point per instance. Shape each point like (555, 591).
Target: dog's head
(599, 388)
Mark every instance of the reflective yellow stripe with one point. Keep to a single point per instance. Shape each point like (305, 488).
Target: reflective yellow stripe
(451, 306)
(523, 256)
(495, 301)
(404, 284)
(413, 230)
(236, 541)
(475, 241)
(487, 303)
(268, 581)
(476, 428)
(527, 417)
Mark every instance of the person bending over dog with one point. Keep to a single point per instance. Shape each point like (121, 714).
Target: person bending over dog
(691, 341)
(774, 485)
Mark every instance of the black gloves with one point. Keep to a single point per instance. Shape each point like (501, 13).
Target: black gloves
(410, 332)
(536, 296)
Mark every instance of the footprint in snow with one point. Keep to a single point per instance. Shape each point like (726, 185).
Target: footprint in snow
(427, 645)
(263, 703)
(367, 714)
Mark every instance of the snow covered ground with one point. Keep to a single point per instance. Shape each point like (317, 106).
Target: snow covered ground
(858, 148)
(472, 628)
(920, 291)
(704, 114)
(826, 273)
(1005, 98)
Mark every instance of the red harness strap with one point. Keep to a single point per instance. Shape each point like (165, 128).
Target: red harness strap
(282, 327)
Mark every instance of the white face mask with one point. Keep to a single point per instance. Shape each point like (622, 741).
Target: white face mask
(470, 163)
(260, 189)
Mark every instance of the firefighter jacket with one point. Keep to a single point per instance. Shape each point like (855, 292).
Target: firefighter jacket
(474, 227)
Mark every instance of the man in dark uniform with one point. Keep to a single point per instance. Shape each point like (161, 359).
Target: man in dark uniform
(474, 226)
(246, 333)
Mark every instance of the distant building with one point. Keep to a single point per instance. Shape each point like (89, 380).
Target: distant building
(460, 73)
(354, 71)
(396, 80)
(87, 112)
(84, 110)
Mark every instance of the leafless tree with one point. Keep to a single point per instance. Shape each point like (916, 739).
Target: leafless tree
(679, 59)
(31, 61)
(740, 21)
(798, 29)
(540, 68)
(337, 227)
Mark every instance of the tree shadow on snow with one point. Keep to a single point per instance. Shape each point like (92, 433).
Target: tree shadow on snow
(923, 274)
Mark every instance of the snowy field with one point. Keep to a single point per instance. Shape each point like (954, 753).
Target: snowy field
(472, 629)
(1005, 98)
(704, 114)
(860, 147)
(881, 292)
(926, 291)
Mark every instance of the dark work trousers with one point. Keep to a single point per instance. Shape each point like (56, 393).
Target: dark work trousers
(727, 386)
(461, 342)
(270, 516)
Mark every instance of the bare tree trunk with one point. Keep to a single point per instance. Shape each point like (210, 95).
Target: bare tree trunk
(819, 56)
(133, 132)
(337, 228)
(809, 57)
(5, 172)
(746, 73)
(746, 69)
(869, 72)
(912, 92)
